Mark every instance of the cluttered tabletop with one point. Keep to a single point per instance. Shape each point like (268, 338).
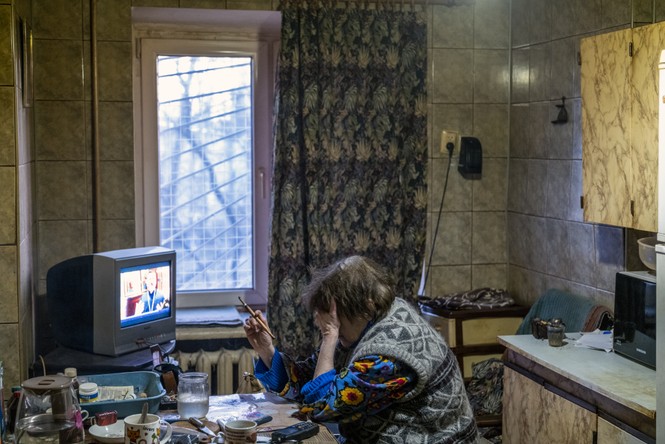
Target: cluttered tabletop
(259, 407)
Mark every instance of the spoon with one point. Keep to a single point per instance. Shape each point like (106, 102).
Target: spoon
(144, 413)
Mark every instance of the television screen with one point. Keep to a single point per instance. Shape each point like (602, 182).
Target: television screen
(145, 293)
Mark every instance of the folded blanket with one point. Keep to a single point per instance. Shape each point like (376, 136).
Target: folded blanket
(473, 299)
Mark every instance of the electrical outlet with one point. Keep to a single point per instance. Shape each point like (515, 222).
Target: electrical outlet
(447, 137)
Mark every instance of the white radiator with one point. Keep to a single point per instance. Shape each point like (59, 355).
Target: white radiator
(224, 367)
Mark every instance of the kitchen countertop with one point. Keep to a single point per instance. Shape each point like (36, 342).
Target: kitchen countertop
(613, 376)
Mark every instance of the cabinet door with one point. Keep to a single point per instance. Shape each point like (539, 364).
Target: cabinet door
(606, 128)
(533, 414)
(648, 41)
(611, 434)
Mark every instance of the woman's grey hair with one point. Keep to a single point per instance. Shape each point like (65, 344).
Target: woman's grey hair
(358, 285)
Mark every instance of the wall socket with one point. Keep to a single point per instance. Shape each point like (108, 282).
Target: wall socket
(447, 137)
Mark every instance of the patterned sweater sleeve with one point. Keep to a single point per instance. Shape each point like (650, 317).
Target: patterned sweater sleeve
(366, 387)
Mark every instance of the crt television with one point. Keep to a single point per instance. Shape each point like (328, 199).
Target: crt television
(114, 302)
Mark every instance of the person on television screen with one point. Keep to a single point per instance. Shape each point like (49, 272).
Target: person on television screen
(381, 371)
(152, 298)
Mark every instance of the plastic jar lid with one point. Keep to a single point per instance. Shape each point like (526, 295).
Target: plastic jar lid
(71, 372)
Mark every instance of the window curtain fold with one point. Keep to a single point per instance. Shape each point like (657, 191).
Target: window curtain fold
(350, 150)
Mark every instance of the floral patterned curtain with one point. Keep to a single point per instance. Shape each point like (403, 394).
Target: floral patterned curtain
(350, 150)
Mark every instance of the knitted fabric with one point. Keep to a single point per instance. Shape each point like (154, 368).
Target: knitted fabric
(437, 410)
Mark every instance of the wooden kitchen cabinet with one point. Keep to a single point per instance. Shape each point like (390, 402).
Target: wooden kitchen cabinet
(619, 89)
(532, 414)
(575, 395)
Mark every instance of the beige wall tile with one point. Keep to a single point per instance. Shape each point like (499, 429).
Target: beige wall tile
(449, 279)
(540, 62)
(8, 206)
(489, 238)
(117, 234)
(572, 17)
(116, 131)
(520, 75)
(8, 285)
(6, 67)
(453, 239)
(207, 4)
(559, 177)
(114, 20)
(7, 126)
(458, 192)
(489, 275)
(60, 130)
(540, 20)
(581, 241)
(115, 71)
(452, 75)
(62, 190)
(249, 4)
(519, 22)
(57, 19)
(490, 192)
(452, 25)
(57, 70)
(491, 76)
(117, 189)
(156, 3)
(11, 358)
(491, 24)
(60, 240)
(489, 126)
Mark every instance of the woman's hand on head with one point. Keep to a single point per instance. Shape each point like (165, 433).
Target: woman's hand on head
(328, 322)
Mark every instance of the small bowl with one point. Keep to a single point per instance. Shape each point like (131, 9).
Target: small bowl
(647, 251)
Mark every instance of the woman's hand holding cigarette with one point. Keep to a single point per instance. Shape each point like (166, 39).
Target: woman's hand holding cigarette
(259, 338)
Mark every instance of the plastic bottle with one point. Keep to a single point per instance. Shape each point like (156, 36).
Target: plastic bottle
(72, 373)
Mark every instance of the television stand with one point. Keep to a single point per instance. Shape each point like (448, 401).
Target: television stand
(85, 363)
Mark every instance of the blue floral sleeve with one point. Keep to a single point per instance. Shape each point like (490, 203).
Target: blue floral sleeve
(366, 387)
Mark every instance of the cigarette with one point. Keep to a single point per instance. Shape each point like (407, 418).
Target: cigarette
(263, 325)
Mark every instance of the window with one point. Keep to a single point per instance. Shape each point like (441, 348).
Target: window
(203, 163)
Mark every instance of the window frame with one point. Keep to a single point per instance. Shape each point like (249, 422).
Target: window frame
(146, 154)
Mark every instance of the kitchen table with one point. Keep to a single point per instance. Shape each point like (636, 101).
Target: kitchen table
(242, 406)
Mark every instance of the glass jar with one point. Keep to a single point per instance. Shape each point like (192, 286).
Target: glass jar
(193, 395)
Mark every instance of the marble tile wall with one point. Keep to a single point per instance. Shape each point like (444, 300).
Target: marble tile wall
(549, 245)
(469, 49)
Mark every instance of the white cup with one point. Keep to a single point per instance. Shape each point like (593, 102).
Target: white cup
(239, 431)
(147, 432)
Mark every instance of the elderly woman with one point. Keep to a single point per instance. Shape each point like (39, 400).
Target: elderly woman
(381, 372)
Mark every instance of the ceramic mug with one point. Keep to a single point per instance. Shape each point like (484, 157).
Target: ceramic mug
(239, 431)
(147, 432)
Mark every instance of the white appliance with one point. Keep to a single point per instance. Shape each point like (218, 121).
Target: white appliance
(660, 258)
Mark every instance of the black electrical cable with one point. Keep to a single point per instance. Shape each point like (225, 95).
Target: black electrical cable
(449, 146)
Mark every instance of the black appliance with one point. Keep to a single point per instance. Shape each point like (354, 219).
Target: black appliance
(635, 316)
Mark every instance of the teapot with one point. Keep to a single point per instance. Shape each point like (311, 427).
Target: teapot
(48, 411)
